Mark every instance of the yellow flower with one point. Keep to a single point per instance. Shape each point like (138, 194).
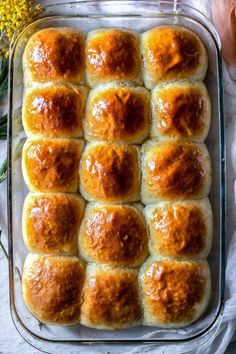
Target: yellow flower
(14, 16)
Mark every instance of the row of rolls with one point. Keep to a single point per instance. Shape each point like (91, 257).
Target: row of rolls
(131, 248)
(112, 173)
(117, 112)
(162, 54)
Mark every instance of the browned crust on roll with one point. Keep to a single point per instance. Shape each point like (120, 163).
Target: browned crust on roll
(109, 172)
(52, 288)
(54, 111)
(111, 299)
(113, 54)
(118, 113)
(180, 112)
(178, 230)
(173, 291)
(51, 222)
(115, 235)
(176, 170)
(171, 52)
(52, 164)
(56, 54)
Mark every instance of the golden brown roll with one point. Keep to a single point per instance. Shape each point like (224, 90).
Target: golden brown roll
(117, 113)
(180, 229)
(174, 294)
(112, 54)
(51, 221)
(54, 111)
(109, 173)
(55, 54)
(51, 165)
(52, 288)
(174, 171)
(115, 235)
(181, 110)
(172, 53)
(111, 298)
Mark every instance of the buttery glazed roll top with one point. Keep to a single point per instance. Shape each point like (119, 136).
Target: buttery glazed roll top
(180, 229)
(109, 173)
(50, 222)
(172, 53)
(55, 54)
(113, 55)
(174, 294)
(51, 165)
(117, 113)
(52, 287)
(174, 171)
(54, 111)
(115, 235)
(181, 110)
(111, 298)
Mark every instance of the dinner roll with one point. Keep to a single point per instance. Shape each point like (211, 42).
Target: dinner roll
(115, 235)
(117, 113)
(109, 173)
(174, 294)
(50, 222)
(54, 111)
(174, 171)
(180, 229)
(111, 298)
(52, 287)
(172, 53)
(112, 54)
(51, 165)
(181, 110)
(54, 54)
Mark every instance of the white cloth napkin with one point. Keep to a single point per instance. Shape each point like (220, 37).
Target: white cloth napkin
(227, 328)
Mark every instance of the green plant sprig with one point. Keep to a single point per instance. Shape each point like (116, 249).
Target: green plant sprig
(3, 77)
(3, 119)
(3, 171)
(3, 127)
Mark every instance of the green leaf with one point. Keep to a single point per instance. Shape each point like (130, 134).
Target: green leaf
(3, 87)
(3, 120)
(16, 156)
(16, 121)
(3, 171)
(3, 77)
(2, 246)
(3, 127)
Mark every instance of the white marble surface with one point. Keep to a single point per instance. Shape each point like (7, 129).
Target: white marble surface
(10, 341)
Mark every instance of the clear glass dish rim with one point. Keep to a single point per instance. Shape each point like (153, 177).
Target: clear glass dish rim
(15, 317)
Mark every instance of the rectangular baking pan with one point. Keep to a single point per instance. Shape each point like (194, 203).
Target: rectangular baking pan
(138, 16)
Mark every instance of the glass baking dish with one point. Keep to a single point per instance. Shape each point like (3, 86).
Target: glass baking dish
(138, 16)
